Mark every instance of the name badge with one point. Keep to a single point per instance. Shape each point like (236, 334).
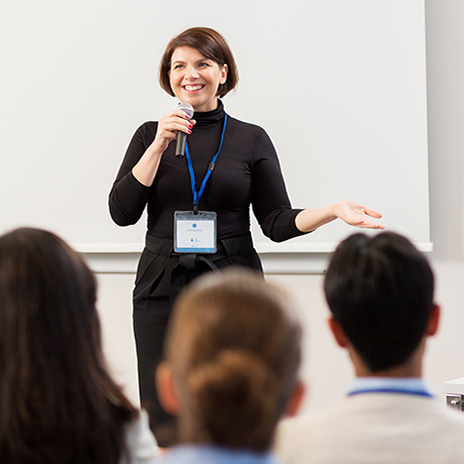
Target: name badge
(195, 233)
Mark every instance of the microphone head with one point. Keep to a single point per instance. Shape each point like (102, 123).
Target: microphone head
(187, 108)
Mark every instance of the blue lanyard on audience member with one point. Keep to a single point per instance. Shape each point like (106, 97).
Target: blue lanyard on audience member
(387, 385)
(197, 194)
(391, 390)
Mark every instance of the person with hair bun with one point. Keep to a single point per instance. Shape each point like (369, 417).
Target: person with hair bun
(231, 369)
(229, 165)
(58, 403)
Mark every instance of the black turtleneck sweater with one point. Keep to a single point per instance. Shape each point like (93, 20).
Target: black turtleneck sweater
(247, 172)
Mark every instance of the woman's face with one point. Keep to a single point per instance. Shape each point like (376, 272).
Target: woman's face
(195, 79)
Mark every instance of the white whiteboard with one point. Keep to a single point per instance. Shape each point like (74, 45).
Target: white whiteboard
(347, 77)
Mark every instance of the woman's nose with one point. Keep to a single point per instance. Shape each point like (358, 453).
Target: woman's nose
(192, 72)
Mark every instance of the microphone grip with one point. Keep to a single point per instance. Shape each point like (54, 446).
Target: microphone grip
(180, 147)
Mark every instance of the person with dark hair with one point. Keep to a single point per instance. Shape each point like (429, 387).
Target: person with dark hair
(58, 404)
(228, 166)
(233, 352)
(380, 291)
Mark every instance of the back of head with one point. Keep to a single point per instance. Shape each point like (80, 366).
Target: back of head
(47, 301)
(234, 348)
(53, 383)
(380, 291)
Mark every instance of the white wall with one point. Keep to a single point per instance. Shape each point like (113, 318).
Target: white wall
(325, 366)
(356, 70)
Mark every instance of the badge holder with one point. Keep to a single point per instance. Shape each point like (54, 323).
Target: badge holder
(195, 232)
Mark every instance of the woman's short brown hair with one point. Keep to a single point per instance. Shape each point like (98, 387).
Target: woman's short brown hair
(211, 45)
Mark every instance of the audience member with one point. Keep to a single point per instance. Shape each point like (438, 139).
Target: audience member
(233, 353)
(58, 404)
(380, 291)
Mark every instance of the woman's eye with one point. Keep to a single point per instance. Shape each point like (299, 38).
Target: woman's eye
(178, 66)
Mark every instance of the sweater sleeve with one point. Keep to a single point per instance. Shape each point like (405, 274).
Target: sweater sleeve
(270, 201)
(141, 446)
(128, 197)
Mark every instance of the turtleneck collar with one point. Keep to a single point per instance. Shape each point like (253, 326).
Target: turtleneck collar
(210, 118)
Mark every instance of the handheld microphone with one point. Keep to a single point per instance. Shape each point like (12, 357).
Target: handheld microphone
(187, 108)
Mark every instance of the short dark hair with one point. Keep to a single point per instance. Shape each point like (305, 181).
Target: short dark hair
(211, 45)
(380, 290)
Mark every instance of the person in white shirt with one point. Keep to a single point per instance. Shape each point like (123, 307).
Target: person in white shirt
(380, 291)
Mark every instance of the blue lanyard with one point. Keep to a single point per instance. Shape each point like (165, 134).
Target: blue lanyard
(391, 390)
(197, 194)
(406, 386)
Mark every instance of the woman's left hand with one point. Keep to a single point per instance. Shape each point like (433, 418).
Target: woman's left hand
(358, 215)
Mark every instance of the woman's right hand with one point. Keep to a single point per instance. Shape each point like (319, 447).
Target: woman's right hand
(168, 126)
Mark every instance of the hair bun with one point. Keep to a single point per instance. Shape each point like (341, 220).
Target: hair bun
(242, 387)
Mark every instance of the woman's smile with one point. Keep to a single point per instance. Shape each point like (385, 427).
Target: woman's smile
(193, 88)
